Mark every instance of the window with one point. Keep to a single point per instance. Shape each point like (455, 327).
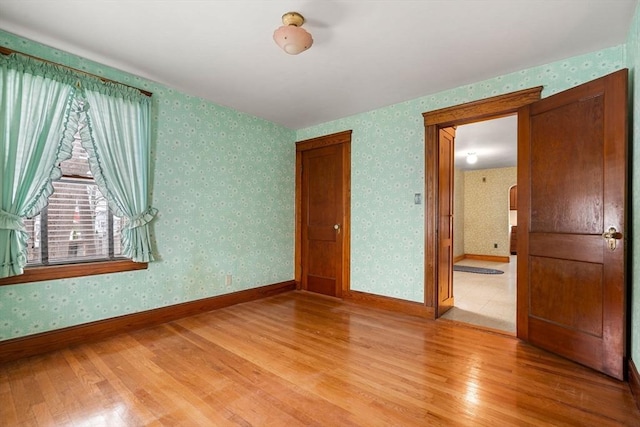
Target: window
(77, 225)
(76, 228)
(75, 235)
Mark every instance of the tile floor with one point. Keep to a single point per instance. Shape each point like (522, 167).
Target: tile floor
(487, 300)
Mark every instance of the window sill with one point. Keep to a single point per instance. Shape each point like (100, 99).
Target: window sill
(40, 273)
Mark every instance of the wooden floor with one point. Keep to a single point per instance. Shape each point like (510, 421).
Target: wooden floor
(297, 359)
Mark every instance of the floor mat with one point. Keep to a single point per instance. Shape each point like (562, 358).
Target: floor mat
(479, 270)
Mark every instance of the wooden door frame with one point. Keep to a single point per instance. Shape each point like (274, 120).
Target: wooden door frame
(344, 139)
(476, 111)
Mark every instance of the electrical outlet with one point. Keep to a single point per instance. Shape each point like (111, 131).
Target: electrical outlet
(228, 279)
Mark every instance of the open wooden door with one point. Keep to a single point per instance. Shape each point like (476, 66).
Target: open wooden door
(445, 219)
(572, 172)
(322, 200)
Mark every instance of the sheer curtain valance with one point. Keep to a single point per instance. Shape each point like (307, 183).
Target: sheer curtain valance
(42, 107)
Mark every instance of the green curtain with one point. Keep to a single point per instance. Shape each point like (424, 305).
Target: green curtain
(38, 118)
(117, 140)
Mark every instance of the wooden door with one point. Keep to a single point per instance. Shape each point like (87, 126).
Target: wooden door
(445, 220)
(324, 228)
(572, 172)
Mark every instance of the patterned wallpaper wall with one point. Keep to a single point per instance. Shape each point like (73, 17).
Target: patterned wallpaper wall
(633, 61)
(224, 187)
(387, 229)
(458, 212)
(486, 210)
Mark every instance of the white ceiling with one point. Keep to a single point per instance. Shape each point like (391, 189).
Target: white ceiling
(495, 142)
(366, 54)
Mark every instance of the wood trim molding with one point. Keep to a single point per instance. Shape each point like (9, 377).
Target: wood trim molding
(484, 109)
(431, 215)
(297, 245)
(45, 342)
(459, 258)
(634, 381)
(487, 108)
(492, 258)
(324, 141)
(346, 203)
(53, 272)
(388, 303)
(522, 244)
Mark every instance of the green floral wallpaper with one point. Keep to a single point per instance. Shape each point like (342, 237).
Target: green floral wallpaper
(387, 229)
(224, 187)
(224, 184)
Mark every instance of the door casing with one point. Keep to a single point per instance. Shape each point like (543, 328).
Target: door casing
(343, 139)
(485, 109)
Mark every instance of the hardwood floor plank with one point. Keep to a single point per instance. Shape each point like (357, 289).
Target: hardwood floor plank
(51, 392)
(249, 376)
(290, 355)
(189, 366)
(170, 399)
(252, 336)
(42, 415)
(8, 412)
(24, 390)
(297, 359)
(138, 400)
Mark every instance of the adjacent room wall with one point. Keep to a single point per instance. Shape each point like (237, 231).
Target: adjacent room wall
(458, 213)
(387, 234)
(223, 182)
(486, 211)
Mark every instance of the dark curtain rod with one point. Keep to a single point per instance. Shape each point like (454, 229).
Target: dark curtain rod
(7, 51)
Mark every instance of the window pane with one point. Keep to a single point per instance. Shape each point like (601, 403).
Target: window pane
(76, 226)
(117, 243)
(34, 245)
(78, 222)
(78, 164)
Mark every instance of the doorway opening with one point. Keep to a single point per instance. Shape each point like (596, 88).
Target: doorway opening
(439, 277)
(484, 212)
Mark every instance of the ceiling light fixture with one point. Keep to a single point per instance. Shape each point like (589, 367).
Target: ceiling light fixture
(290, 37)
(472, 158)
